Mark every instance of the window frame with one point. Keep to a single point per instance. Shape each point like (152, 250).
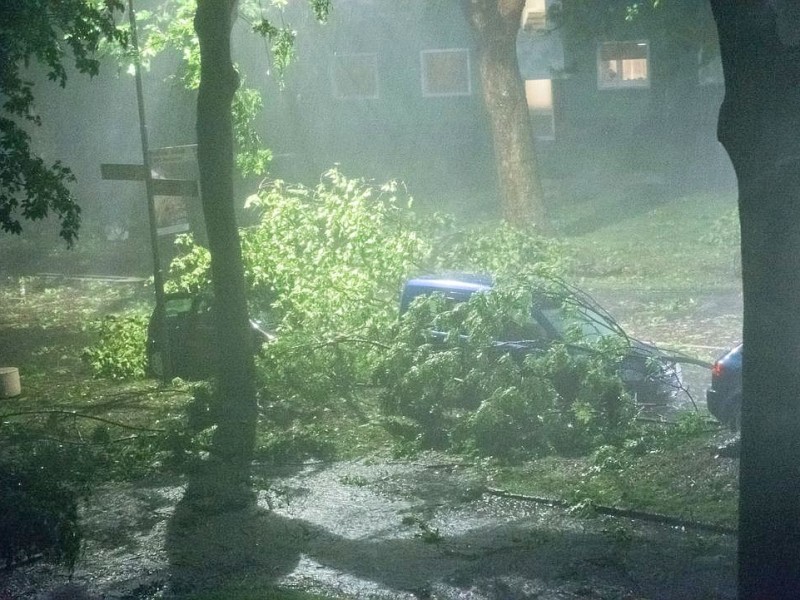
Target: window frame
(467, 74)
(534, 20)
(605, 83)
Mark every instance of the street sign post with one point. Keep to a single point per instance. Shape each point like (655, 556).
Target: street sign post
(167, 190)
(161, 187)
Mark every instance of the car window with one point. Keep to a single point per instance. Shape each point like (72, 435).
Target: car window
(530, 330)
(581, 321)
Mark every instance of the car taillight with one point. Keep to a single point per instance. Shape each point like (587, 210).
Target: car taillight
(717, 369)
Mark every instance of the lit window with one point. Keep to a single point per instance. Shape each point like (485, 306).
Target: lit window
(623, 64)
(539, 93)
(445, 72)
(534, 15)
(355, 75)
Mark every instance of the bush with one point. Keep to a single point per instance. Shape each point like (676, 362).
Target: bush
(120, 350)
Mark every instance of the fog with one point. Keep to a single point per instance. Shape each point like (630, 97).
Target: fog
(362, 93)
(624, 121)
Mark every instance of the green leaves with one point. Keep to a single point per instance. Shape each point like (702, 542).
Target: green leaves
(252, 158)
(331, 259)
(30, 189)
(321, 8)
(45, 32)
(462, 390)
(120, 351)
(500, 249)
(281, 44)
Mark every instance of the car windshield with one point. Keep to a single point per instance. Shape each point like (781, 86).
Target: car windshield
(579, 320)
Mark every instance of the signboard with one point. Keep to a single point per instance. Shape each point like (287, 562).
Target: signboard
(161, 186)
(175, 192)
(172, 197)
(122, 172)
(173, 184)
(172, 215)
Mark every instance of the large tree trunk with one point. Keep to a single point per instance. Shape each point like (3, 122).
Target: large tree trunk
(234, 438)
(759, 126)
(496, 23)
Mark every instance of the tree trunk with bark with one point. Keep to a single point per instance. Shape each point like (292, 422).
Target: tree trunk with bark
(495, 24)
(227, 480)
(759, 125)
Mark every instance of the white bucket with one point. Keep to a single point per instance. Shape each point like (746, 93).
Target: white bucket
(9, 382)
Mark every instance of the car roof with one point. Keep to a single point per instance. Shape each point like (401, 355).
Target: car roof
(458, 281)
(462, 284)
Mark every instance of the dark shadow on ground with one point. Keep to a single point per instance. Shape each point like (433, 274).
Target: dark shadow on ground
(480, 548)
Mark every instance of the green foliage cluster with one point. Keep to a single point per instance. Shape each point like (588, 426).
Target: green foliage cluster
(44, 32)
(459, 389)
(119, 352)
(170, 28)
(274, 29)
(327, 261)
(333, 258)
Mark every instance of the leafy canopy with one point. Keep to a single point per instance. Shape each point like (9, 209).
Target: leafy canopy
(43, 32)
(170, 27)
(328, 259)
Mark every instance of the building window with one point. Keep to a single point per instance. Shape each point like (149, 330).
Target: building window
(623, 65)
(355, 75)
(539, 93)
(446, 72)
(534, 15)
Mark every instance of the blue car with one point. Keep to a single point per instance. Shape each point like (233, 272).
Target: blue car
(652, 376)
(724, 397)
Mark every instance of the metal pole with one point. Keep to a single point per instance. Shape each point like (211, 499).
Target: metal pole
(158, 279)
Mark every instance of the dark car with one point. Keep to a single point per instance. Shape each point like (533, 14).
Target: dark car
(180, 337)
(651, 375)
(724, 397)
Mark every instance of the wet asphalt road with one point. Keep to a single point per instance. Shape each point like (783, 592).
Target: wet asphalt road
(388, 530)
